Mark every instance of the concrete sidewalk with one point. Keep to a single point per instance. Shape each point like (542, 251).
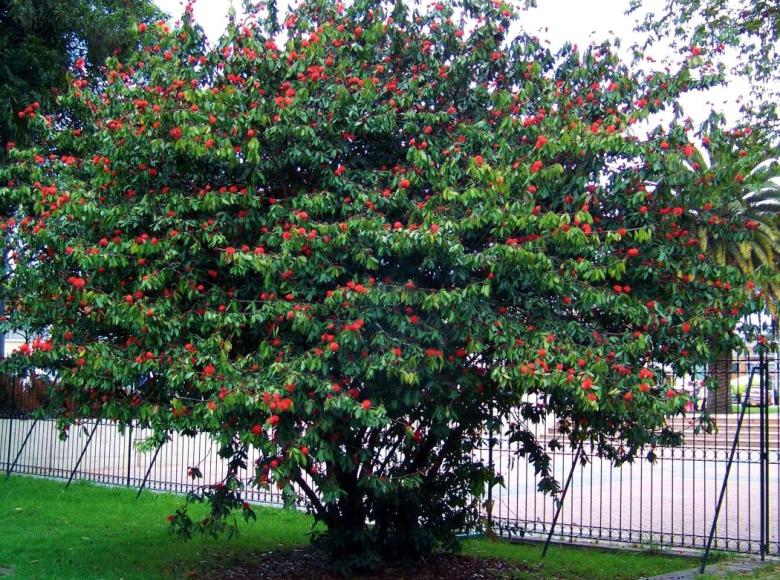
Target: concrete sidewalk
(728, 569)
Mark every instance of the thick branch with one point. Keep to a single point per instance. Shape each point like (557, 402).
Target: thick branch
(322, 512)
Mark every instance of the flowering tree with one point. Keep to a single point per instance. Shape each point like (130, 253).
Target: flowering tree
(742, 35)
(357, 248)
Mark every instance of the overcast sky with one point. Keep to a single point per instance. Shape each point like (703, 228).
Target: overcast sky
(557, 21)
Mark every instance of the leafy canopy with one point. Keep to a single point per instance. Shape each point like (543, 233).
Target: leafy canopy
(357, 248)
(40, 39)
(740, 36)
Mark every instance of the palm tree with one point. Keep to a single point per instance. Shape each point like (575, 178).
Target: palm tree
(759, 207)
(756, 257)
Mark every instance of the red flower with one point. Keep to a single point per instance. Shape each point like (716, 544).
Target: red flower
(536, 166)
(176, 133)
(77, 282)
(209, 370)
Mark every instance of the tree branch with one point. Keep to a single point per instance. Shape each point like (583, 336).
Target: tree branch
(322, 512)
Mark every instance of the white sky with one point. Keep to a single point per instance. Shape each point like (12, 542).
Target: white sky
(557, 21)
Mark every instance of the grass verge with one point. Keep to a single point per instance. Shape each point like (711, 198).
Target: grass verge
(90, 531)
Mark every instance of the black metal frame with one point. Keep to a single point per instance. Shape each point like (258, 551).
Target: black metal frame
(722, 494)
(83, 452)
(597, 503)
(671, 502)
(11, 466)
(574, 463)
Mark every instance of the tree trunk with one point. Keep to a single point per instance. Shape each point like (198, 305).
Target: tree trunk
(719, 400)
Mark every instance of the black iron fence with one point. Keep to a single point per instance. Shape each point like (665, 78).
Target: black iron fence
(671, 502)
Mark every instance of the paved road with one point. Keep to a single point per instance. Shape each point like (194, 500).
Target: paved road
(672, 501)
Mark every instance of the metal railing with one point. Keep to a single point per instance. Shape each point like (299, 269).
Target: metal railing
(669, 503)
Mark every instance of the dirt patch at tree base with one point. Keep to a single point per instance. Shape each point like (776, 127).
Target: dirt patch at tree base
(310, 564)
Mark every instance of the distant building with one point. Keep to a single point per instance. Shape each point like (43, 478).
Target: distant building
(10, 343)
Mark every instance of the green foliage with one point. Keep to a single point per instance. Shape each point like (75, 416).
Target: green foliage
(40, 39)
(746, 32)
(758, 253)
(357, 249)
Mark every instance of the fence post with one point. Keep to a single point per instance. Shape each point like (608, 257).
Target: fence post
(762, 428)
(489, 503)
(764, 446)
(129, 451)
(726, 477)
(18, 455)
(10, 435)
(563, 497)
(148, 471)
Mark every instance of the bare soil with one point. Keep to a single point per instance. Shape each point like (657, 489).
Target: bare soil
(309, 564)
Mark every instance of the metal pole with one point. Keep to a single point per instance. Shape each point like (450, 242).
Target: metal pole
(490, 486)
(10, 434)
(3, 272)
(129, 451)
(765, 448)
(83, 451)
(148, 471)
(18, 455)
(761, 450)
(563, 497)
(728, 470)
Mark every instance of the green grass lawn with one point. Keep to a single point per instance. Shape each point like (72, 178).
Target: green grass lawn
(773, 410)
(90, 531)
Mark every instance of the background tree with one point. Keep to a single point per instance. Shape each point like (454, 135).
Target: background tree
(745, 32)
(41, 39)
(756, 254)
(357, 249)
